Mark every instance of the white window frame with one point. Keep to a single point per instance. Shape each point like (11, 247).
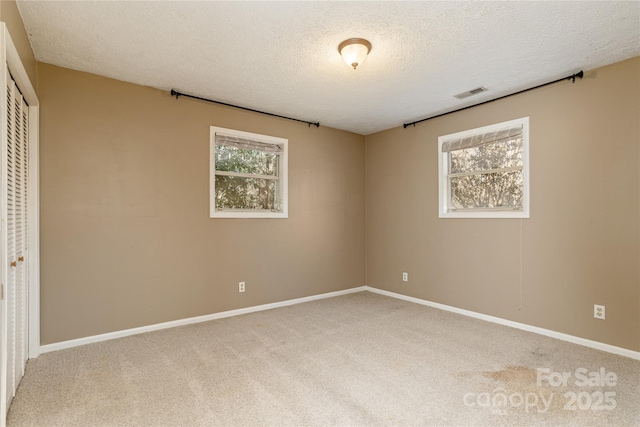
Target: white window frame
(443, 173)
(282, 180)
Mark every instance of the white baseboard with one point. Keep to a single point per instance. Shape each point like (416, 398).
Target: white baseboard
(134, 331)
(547, 332)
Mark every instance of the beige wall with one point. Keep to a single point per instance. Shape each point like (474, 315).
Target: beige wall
(126, 237)
(10, 15)
(579, 248)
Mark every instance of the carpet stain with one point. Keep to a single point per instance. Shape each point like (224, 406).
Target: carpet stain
(539, 353)
(523, 380)
(513, 374)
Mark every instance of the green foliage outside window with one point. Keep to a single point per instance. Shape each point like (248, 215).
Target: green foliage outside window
(236, 192)
(476, 178)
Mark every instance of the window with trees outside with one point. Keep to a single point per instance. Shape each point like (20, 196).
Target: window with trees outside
(484, 172)
(248, 175)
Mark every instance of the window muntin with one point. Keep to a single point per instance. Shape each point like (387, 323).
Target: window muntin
(248, 175)
(483, 172)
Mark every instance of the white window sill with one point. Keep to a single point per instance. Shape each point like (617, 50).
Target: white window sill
(485, 214)
(248, 214)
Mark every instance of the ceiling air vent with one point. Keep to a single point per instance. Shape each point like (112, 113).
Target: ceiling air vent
(471, 92)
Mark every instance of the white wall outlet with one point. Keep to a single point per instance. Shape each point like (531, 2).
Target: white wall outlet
(241, 287)
(598, 311)
(405, 277)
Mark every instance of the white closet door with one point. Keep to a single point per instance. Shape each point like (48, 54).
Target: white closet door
(22, 260)
(20, 214)
(16, 168)
(10, 216)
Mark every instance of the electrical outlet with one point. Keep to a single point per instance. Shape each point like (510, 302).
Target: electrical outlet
(598, 311)
(405, 277)
(241, 287)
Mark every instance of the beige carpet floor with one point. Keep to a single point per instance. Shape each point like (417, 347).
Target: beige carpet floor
(359, 359)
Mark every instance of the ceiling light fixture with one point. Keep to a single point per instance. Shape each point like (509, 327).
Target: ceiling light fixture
(354, 51)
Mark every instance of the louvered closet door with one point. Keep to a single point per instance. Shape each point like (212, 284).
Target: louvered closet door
(16, 170)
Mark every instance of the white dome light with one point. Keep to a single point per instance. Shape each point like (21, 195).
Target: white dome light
(354, 51)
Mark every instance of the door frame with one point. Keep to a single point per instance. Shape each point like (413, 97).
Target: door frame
(10, 59)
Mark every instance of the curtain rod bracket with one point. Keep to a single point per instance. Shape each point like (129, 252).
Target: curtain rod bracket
(578, 75)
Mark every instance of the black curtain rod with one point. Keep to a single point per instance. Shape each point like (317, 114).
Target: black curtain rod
(572, 77)
(179, 94)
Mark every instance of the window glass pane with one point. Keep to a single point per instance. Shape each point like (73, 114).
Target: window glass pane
(234, 192)
(242, 160)
(504, 154)
(489, 190)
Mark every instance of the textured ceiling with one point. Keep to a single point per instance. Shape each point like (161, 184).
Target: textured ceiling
(282, 57)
